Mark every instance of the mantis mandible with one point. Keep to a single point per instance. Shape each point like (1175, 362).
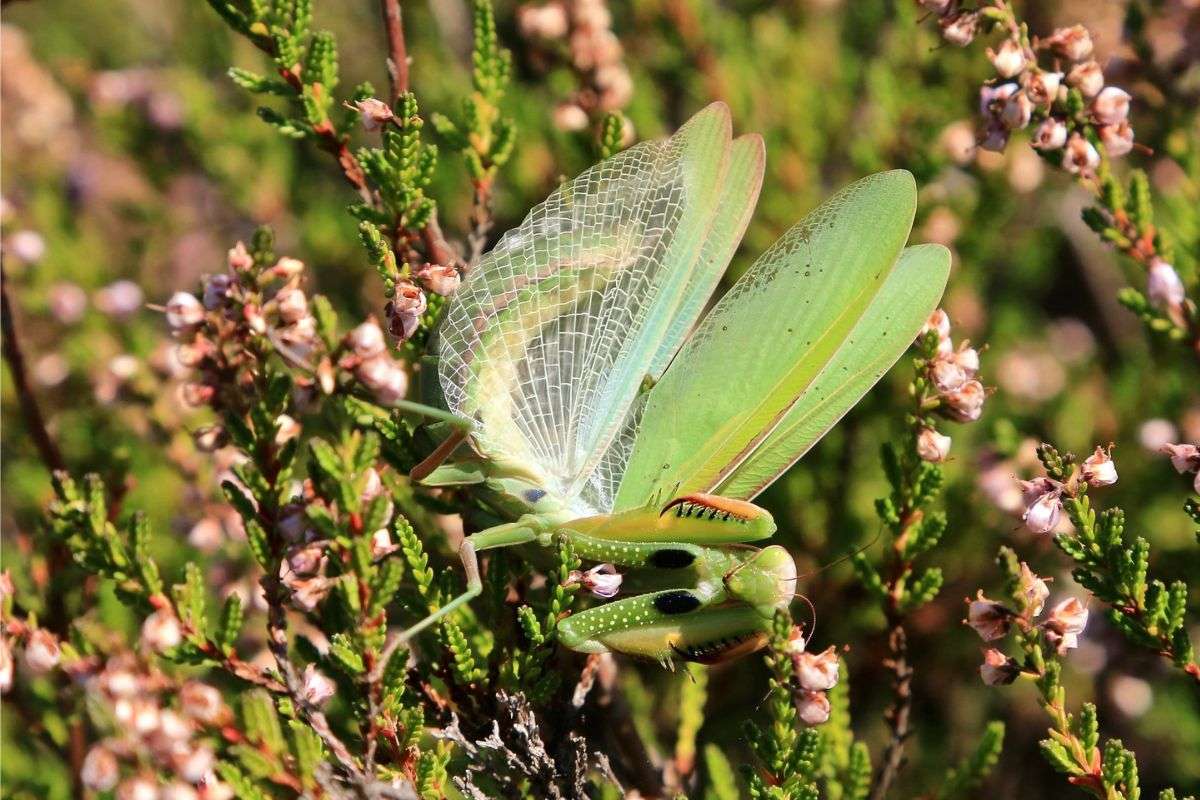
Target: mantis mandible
(547, 349)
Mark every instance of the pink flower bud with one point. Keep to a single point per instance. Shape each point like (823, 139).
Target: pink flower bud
(1184, 457)
(367, 340)
(194, 765)
(238, 259)
(812, 707)
(305, 560)
(1073, 43)
(100, 769)
(316, 688)
(286, 429)
(602, 580)
(938, 321)
(293, 305)
(42, 652)
(29, 246)
(1051, 134)
(119, 299)
(1033, 590)
(308, 593)
(1042, 86)
(144, 715)
(178, 790)
(196, 394)
(965, 404)
(995, 137)
(570, 117)
(1111, 105)
(988, 618)
(947, 375)
(932, 446)
(254, 318)
(1117, 139)
(1098, 469)
(216, 290)
(374, 113)
(161, 631)
(992, 98)
(1087, 77)
(287, 267)
(405, 310)
(816, 672)
(68, 302)
(547, 21)
(381, 543)
(1016, 111)
(1043, 514)
(1009, 60)
(1163, 286)
(184, 311)
(1080, 158)
(939, 7)
(1065, 623)
(203, 703)
(174, 727)
(326, 376)
(138, 788)
(960, 29)
(440, 279)
(6, 666)
(998, 669)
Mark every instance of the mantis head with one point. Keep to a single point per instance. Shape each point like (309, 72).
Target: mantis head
(765, 580)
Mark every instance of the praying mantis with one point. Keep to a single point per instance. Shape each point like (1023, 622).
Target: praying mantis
(597, 402)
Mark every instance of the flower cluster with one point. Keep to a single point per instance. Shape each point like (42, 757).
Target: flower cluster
(992, 620)
(1043, 496)
(814, 674)
(593, 52)
(952, 375)
(366, 355)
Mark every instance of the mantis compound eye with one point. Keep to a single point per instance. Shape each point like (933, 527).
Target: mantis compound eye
(767, 579)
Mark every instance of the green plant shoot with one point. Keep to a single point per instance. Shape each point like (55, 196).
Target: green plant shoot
(589, 412)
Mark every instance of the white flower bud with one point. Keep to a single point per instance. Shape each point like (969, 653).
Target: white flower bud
(184, 311)
(570, 117)
(1080, 157)
(932, 446)
(100, 769)
(1087, 77)
(29, 246)
(813, 708)
(1073, 43)
(1117, 139)
(42, 652)
(1051, 134)
(1163, 286)
(602, 580)
(293, 305)
(316, 688)
(1043, 514)
(1016, 111)
(381, 543)
(1042, 86)
(1098, 469)
(1009, 60)
(367, 340)
(161, 631)
(816, 672)
(6, 666)
(1111, 105)
(286, 429)
(965, 404)
(287, 267)
(960, 29)
(1065, 623)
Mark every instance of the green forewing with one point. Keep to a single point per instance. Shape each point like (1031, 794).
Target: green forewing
(892, 321)
(768, 341)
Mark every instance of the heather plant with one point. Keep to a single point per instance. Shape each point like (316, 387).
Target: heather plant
(237, 483)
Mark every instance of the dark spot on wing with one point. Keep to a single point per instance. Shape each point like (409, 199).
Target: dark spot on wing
(679, 601)
(672, 558)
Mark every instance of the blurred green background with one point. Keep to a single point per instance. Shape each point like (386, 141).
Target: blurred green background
(128, 155)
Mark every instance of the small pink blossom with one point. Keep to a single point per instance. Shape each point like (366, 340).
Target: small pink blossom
(1009, 60)
(570, 117)
(1087, 77)
(1043, 514)
(6, 666)
(316, 688)
(1081, 157)
(1033, 590)
(1073, 43)
(216, 290)
(119, 299)
(1016, 111)
(161, 631)
(305, 560)
(998, 669)
(203, 703)
(184, 311)
(816, 672)
(287, 267)
(42, 652)
(238, 259)
(938, 321)
(1042, 86)
(960, 29)
(193, 765)
(1065, 623)
(293, 305)
(548, 21)
(1163, 286)
(602, 580)
(812, 707)
(367, 340)
(932, 446)
(987, 617)
(1117, 139)
(965, 404)
(1111, 105)
(1184, 457)
(440, 279)
(373, 113)
(381, 543)
(307, 593)
(405, 310)
(1098, 469)
(138, 788)
(1051, 134)
(100, 770)
(947, 375)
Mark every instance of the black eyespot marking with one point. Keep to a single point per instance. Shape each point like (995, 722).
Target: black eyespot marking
(533, 495)
(680, 601)
(672, 558)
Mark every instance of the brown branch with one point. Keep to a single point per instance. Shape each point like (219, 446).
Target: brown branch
(397, 50)
(899, 713)
(34, 421)
(481, 220)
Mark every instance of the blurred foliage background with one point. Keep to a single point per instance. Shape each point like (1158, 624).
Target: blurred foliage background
(129, 156)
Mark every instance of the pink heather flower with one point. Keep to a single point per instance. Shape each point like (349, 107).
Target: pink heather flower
(939, 7)
(1098, 469)
(1117, 139)
(119, 299)
(1043, 514)
(1009, 60)
(932, 446)
(1042, 86)
(1163, 286)
(813, 707)
(1184, 457)
(293, 305)
(374, 113)
(286, 429)
(1033, 590)
(143, 715)
(193, 766)
(100, 769)
(184, 311)
(196, 394)
(287, 267)
(1050, 135)
(317, 688)
(1080, 157)
(67, 302)
(216, 290)
(967, 357)
(992, 98)
(305, 560)
(203, 703)
(307, 593)
(547, 21)
(987, 617)
(1073, 43)
(960, 29)
(998, 669)
(29, 246)
(570, 117)
(367, 340)
(602, 580)
(42, 652)
(938, 321)
(1016, 111)
(995, 136)
(1064, 624)
(238, 259)
(816, 672)
(795, 642)
(161, 631)
(439, 279)
(6, 666)
(210, 438)
(1087, 77)
(947, 375)
(1111, 105)
(965, 404)
(139, 788)
(174, 727)
(381, 543)
(178, 790)
(405, 310)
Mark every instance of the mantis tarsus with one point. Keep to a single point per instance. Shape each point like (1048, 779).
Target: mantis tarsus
(545, 352)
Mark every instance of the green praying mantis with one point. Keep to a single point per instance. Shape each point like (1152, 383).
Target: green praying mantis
(572, 362)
